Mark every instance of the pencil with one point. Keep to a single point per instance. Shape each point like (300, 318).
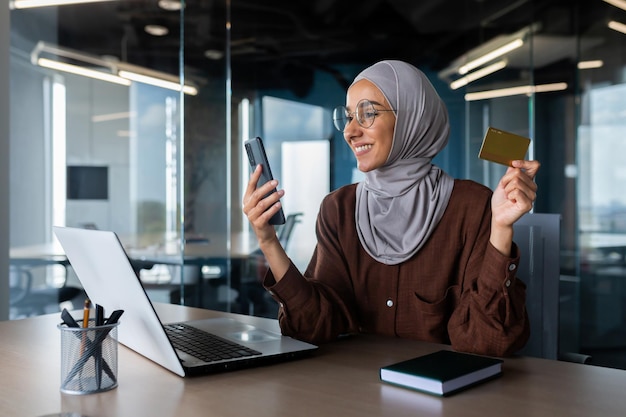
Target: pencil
(86, 313)
(85, 324)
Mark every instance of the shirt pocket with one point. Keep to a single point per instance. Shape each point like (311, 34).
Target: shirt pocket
(433, 316)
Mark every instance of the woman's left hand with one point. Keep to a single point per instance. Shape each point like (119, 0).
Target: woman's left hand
(515, 194)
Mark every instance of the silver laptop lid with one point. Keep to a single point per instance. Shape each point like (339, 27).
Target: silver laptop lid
(108, 278)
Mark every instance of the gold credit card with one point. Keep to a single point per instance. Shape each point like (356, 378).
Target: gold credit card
(503, 147)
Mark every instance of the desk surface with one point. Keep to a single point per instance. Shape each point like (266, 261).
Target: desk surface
(341, 379)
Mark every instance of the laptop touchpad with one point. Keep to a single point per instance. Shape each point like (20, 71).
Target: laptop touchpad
(254, 335)
(235, 330)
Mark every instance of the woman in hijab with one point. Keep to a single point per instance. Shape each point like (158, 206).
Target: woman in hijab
(409, 251)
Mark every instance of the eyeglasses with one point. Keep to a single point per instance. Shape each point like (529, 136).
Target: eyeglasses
(365, 114)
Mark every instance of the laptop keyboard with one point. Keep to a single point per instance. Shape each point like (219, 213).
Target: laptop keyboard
(203, 345)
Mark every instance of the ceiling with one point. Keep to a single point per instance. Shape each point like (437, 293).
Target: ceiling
(277, 43)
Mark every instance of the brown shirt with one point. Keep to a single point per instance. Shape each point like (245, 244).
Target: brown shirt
(457, 289)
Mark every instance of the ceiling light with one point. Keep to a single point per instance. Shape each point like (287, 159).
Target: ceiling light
(620, 27)
(490, 56)
(213, 54)
(473, 76)
(514, 91)
(617, 3)
(597, 63)
(497, 48)
(156, 30)
(27, 4)
(112, 116)
(78, 70)
(158, 82)
(104, 69)
(170, 5)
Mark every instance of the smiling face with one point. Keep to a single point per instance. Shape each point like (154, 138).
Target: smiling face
(371, 145)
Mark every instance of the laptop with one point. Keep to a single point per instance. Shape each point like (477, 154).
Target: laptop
(105, 271)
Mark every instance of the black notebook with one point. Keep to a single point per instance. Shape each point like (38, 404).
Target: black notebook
(442, 373)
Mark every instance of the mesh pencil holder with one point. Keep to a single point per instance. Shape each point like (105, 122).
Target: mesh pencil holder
(88, 358)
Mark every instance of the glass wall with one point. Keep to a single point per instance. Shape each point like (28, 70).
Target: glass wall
(165, 169)
(98, 141)
(600, 204)
(577, 127)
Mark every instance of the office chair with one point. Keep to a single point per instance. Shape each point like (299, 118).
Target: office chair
(27, 300)
(538, 237)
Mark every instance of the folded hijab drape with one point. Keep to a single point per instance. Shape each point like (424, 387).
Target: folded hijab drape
(399, 204)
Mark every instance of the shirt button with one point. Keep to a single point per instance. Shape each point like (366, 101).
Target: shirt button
(390, 303)
(512, 267)
(507, 283)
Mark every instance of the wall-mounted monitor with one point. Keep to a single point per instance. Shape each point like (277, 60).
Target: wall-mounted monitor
(87, 182)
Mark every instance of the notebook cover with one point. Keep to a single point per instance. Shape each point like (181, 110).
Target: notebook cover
(443, 372)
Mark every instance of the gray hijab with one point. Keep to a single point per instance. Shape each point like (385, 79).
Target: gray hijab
(399, 204)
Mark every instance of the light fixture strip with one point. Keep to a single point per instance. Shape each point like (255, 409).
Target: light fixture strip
(473, 76)
(111, 116)
(514, 91)
(475, 63)
(597, 63)
(119, 72)
(546, 88)
(617, 3)
(29, 4)
(85, 72)
(140, 78)
(620, 27)
(170, 5)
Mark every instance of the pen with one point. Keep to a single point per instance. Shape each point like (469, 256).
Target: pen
(99, 315)
(98, 352)
(68, 319)
(115, 316)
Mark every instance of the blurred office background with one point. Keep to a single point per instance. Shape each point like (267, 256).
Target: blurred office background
(130, 116)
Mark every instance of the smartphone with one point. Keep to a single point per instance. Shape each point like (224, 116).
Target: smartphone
(503, 147)
(256, 155)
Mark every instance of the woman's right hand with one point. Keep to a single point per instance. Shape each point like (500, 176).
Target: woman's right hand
(259, 210)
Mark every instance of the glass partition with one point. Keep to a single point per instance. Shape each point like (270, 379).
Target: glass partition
(98, 142)
(165, 169)
(600, 205)
(576, 130)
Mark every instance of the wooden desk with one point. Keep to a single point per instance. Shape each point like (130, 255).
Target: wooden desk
(341, 379)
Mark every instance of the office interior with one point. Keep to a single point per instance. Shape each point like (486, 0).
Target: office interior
(163, 165)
